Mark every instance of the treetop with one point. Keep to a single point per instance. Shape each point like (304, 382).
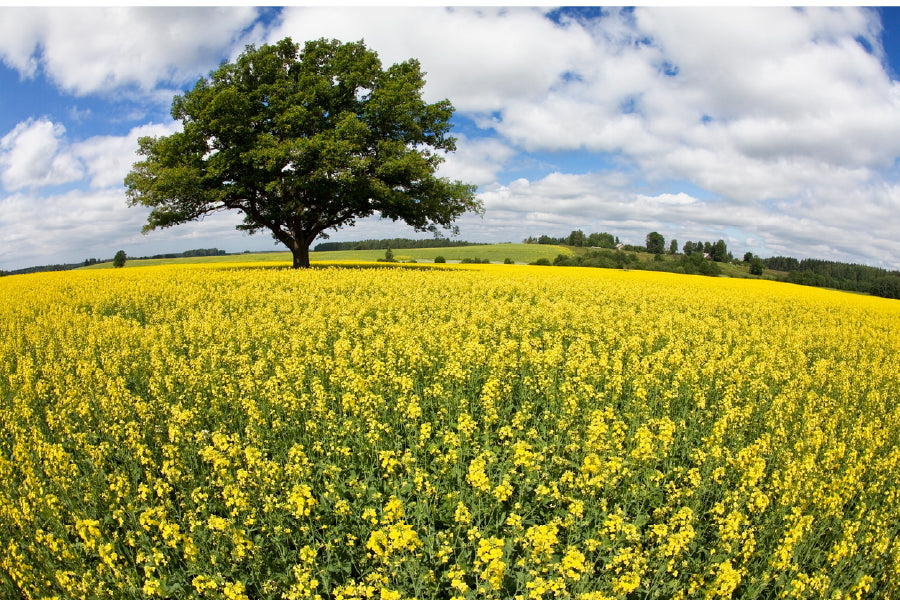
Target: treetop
(304, 141)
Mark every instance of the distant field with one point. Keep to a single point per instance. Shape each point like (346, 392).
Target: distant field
(496, 253)
(255, 257)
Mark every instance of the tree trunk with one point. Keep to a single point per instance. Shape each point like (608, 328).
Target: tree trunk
(300, 251)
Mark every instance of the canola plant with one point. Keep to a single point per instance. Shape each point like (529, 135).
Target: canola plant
(483, 432)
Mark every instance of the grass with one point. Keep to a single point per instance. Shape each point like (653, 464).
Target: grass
(253, 257)
(496, 253)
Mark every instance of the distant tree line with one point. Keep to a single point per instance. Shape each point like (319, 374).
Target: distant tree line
(837, 275)
(655, 243)
(695, 264)
(43, 269)
(96, 261)
(187, 254)
(576, 238)
(717, 251)
(395, 243)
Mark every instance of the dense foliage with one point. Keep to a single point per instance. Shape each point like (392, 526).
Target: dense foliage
(837, 275)
(120, 259)
(302, 141)
(576, 238)
(693, 264)
(481, 431)
(190, 253)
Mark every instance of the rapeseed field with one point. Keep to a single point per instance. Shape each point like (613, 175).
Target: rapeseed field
(483, 432)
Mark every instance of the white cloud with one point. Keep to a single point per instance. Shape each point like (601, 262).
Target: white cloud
(480, 58)
(90, 50)
(36, 153)
(476, 161)
(826, 225)
(76, 225)
(667, 199)
(108, 159)
(30, 156)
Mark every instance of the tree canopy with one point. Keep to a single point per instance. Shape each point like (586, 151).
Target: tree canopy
(303, 142)
(656, 243)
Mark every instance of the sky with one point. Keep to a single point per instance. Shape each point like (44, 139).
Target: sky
(776, 129)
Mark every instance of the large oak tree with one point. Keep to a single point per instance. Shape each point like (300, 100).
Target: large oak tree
(302, 142)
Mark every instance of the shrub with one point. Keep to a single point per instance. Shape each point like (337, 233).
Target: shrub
(756, 266)
(119, 260)
(563, 260)
(440, 259)
(388, 256)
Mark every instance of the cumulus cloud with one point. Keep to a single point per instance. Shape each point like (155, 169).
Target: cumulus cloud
(108, 159)
(90, 50)
(30, 156)
(480, 58)
(76, 225)
(476, 161)
(37, 153)
(832, 226)
(40, 227)
(722, 96)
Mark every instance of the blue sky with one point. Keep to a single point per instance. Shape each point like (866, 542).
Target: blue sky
(773, 128)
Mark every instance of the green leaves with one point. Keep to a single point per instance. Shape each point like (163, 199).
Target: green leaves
(302, 142)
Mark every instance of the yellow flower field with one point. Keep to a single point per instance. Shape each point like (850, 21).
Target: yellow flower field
(483, 432)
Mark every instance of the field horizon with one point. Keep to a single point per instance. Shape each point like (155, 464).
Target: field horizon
(496, 253)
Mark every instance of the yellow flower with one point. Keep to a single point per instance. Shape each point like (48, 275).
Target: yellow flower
(462, 514)
(489, 561)
(301, 501)
(234, 590)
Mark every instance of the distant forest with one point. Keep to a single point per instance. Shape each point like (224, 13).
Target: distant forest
(187, 254)
(837, 275)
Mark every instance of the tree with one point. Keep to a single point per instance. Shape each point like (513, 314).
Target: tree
(576, 238)
(756, 266)
(673, 247)
(601, 240)
(656, 243)
(719, 252)
(119, 259)
(303, 142)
